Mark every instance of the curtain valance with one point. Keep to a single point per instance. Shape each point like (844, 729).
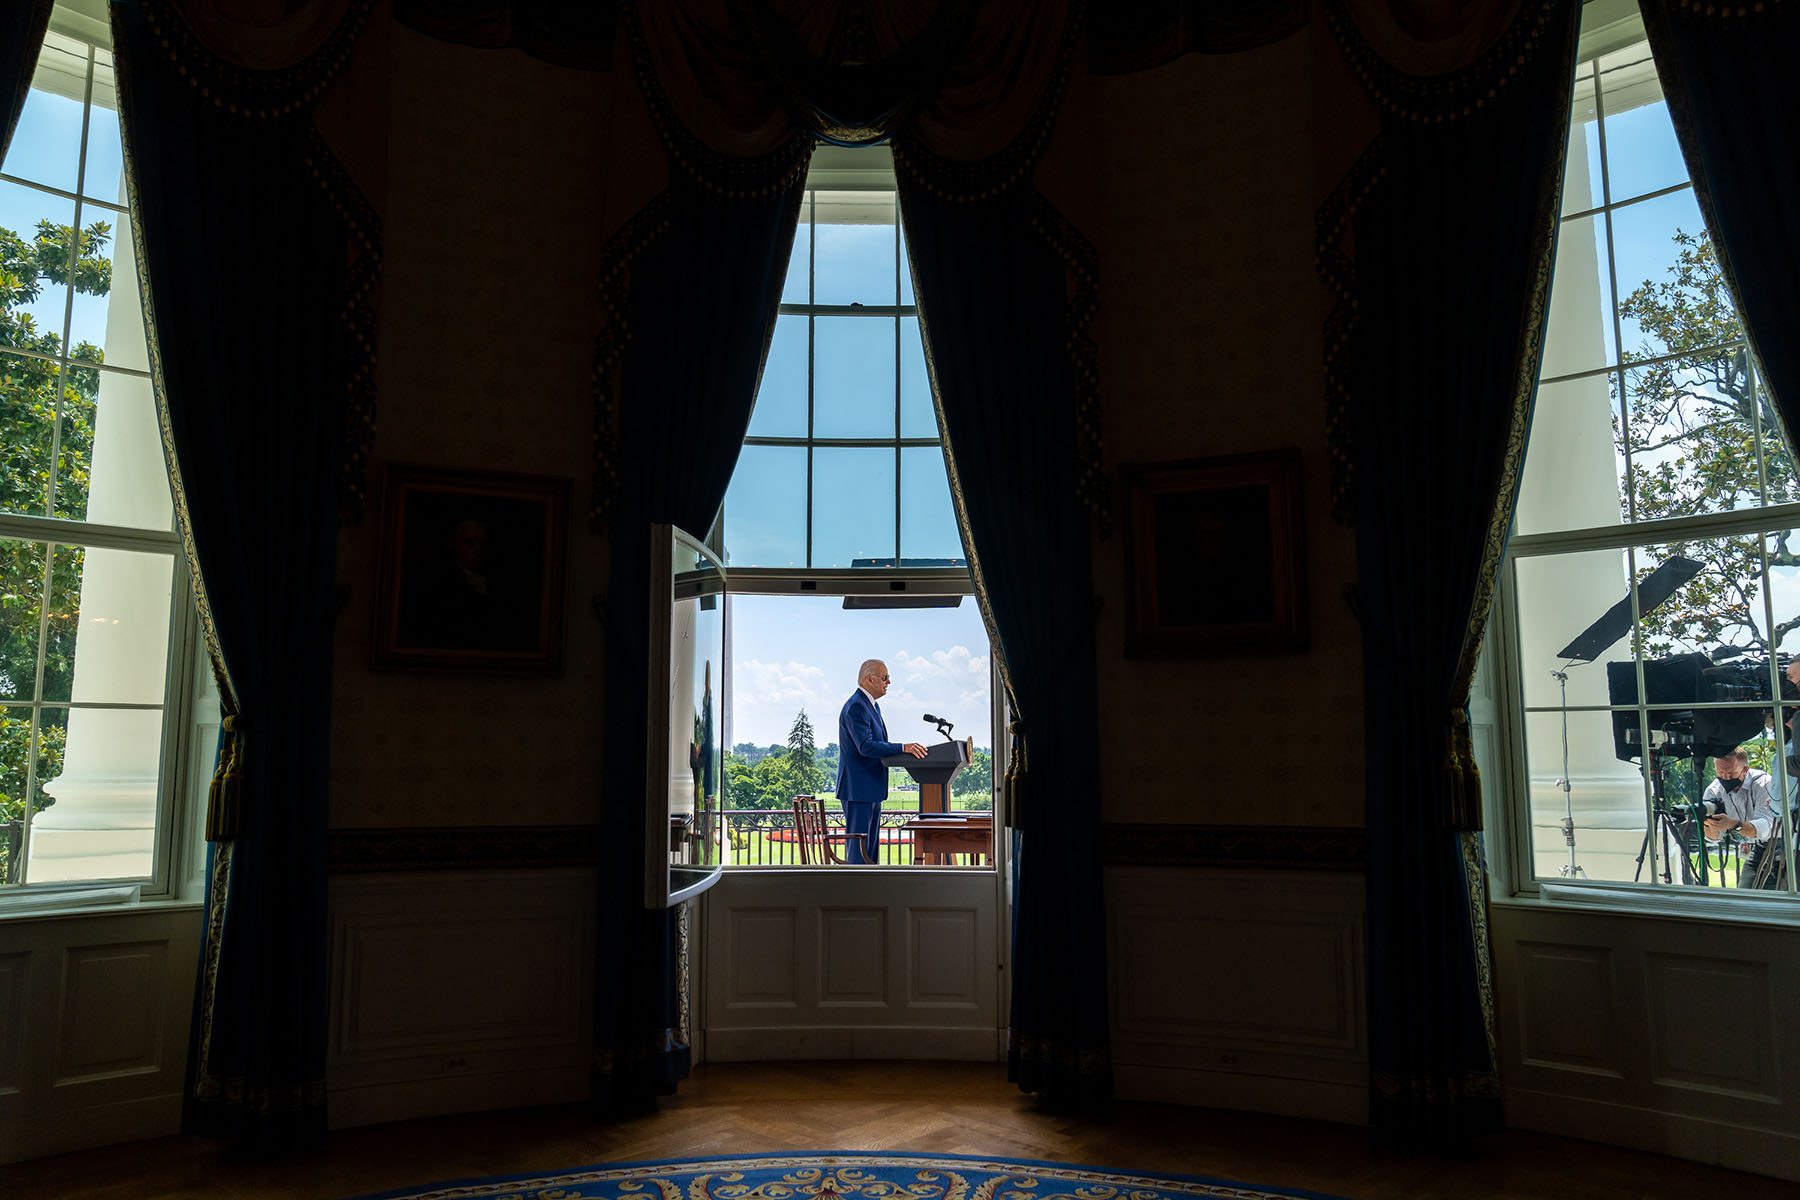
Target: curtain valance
(260, 58)
(962, 80)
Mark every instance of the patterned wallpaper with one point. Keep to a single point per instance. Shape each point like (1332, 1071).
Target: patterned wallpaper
(1211, 345)
(488, 314)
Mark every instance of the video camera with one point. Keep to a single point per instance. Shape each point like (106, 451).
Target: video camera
(1697, 810)
(1688, 679)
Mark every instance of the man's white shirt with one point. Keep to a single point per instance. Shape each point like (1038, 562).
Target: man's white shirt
(1752, 802)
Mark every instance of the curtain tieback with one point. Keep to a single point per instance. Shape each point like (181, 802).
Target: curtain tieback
(1015, 773)
(225, 795)
(1462, 782)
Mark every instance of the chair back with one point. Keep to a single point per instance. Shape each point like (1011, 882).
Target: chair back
(809, 831)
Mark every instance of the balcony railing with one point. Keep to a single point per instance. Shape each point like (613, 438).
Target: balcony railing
(765, 837)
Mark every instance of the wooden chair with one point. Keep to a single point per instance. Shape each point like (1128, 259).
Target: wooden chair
(814, 835)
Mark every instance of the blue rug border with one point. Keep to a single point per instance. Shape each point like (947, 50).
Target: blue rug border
(1209, 1180)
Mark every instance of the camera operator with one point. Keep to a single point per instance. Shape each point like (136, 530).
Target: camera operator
(1740, 802)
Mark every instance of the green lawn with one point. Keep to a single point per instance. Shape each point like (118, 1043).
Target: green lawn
(760, 849)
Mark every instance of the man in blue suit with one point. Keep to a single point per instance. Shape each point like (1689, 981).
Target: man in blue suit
(862, 776)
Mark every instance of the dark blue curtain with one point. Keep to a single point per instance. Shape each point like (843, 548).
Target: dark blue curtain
(22, 28)
(705, 272)
(1453, 233)
(245, 262)
(1728, 73)
(994, 293)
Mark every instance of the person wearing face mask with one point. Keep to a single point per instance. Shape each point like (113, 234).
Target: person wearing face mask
(1742, 796)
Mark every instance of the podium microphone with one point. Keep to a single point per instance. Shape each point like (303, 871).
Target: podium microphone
(944, 727)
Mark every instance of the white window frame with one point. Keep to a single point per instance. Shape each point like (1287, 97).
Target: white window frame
(1612, 25)
(188, 706)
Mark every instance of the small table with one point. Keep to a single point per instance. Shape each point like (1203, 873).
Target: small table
(935, 839)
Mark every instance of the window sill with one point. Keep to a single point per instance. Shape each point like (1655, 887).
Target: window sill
(1662, 904)
(108, 900)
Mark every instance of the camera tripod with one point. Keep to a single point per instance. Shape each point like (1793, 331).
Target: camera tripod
(1663, 820)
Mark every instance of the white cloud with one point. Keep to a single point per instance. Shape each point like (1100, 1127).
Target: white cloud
(766, 695)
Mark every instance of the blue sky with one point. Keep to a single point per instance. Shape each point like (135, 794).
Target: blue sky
(801, 652)
(46, 149)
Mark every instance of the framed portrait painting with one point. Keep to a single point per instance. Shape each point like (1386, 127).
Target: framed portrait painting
(1214, 557)
(470, 574)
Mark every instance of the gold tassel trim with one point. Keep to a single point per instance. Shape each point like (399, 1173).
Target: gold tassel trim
(225, 795)
(1462, 781)
(1015, 777)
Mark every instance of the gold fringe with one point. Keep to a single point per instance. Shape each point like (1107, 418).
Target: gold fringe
(225, 795)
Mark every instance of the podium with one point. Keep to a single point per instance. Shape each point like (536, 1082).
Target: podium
(934, 772)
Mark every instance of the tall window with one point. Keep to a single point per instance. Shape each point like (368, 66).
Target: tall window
(1657, 479)
(89, 561)
(843, 465)
(840, 538)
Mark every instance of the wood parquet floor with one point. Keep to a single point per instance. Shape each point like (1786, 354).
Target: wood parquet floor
(929, 1107)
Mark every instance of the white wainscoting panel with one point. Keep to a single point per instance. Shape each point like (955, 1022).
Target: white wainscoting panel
(459, 990)
(1664, 1034)
(853, 946)
(1569, 992)
(1239, 989)
(103, 1040)
(15, 975)
(941, 948)
(845, 963)
(764, 958)
(94, 1016)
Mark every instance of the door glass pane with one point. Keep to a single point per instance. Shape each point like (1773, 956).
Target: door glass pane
(853, 507)
(765, 508)
(853, 377)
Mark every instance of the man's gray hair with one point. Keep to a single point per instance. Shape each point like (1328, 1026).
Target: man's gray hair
(868, 668)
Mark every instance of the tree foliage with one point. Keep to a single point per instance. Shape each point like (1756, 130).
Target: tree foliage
(803, 755)
(46, 429)
(974, 784)
(1691, 429)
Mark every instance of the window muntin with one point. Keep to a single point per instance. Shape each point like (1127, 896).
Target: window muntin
(89, 565)
(1653, 439)
(845, 384)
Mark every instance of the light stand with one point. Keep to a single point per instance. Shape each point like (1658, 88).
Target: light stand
(1571, 869)
(1611, 625)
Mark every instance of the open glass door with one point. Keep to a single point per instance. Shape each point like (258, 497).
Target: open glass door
(685, 842)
